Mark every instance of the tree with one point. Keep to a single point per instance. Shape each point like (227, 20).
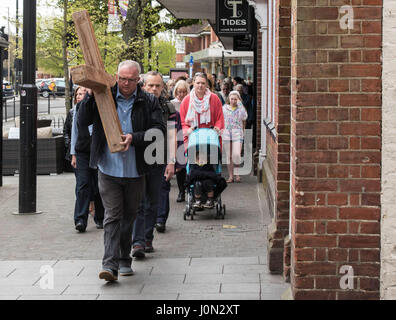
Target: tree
(57, 44)
(143, 21)
(58, 47)
(166, 52)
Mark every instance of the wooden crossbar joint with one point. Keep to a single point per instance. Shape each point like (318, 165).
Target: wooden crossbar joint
(89, 77)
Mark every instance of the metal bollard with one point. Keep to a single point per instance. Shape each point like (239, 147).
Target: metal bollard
(49, 104)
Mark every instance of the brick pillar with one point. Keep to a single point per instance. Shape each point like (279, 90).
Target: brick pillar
(280, 149)
(335, 149)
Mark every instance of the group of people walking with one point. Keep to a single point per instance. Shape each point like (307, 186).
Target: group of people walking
(131, 194)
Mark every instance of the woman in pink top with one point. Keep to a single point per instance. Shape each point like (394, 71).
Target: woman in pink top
(201, 108)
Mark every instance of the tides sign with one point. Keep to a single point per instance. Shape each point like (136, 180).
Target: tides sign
(232, 17)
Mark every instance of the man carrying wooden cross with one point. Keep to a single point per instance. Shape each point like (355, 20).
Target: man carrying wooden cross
(121, 174)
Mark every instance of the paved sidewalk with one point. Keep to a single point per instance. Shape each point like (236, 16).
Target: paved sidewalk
(201, 259)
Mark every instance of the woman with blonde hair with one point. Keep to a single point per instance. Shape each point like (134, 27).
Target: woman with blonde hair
(180, 90)
(234, 118)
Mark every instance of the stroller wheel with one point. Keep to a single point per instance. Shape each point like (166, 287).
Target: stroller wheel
(186, 213)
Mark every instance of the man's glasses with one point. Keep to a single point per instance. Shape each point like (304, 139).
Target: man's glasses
(121, 79)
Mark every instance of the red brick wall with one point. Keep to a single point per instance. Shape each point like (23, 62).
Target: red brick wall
(283, 127)
(179, 57)
(336, 149)
(193, 44)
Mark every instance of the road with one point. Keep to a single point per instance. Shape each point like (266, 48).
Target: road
(11, 107)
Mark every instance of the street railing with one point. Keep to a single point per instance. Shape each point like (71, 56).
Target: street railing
(5, 107)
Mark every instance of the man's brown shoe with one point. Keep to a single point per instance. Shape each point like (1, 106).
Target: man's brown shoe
(108, 275)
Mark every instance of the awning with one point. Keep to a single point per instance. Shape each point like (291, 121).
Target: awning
(197, 9)
(191, 9)
(212, 54)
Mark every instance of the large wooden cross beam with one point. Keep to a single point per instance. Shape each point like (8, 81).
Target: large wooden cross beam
(93, 75)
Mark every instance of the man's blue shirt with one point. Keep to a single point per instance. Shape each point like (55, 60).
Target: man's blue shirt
(121, 164)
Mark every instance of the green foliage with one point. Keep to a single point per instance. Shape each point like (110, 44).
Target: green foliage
(50, 33)
(166, 52)
(143, 21)
(49, 45)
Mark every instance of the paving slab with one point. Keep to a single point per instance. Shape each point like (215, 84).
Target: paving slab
(203, 259)
(272, 288)
(225, 260)
(253, 268)
(182, 288)
(116, 288)
(30, 290)
(176, 269)
(263, 260)
(62, 297)
(240, 287)
(219, 296)
(271, 278)
(18, 282)
(132, 297)
(221, 278)
(9, 297)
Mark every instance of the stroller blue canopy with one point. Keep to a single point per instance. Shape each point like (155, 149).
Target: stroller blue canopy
(204, 140)
(203, 136)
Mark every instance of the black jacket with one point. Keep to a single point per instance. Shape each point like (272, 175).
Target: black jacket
(146, 114)
(83, 142)
(67, 129)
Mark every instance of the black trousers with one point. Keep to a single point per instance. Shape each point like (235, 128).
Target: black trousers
(203, 187)
(86, 190)
(181, 179)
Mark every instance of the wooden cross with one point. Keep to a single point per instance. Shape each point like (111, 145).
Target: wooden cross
(93, 75)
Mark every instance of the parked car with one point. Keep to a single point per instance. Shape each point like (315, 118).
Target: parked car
(44, 87)
(8, 89)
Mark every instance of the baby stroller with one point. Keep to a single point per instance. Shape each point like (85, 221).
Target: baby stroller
(205, 141)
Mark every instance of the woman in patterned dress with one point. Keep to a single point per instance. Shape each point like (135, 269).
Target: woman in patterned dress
(234, 117)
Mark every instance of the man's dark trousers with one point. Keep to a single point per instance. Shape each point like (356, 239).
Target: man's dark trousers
(163, 204)
(148, 208)
(86, 189)
(121, 198)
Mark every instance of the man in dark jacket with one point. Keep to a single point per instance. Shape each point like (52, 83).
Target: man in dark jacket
(161, 170)
(121, 174)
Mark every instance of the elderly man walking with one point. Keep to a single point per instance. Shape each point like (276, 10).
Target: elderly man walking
(163, 170)
(121, 175)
